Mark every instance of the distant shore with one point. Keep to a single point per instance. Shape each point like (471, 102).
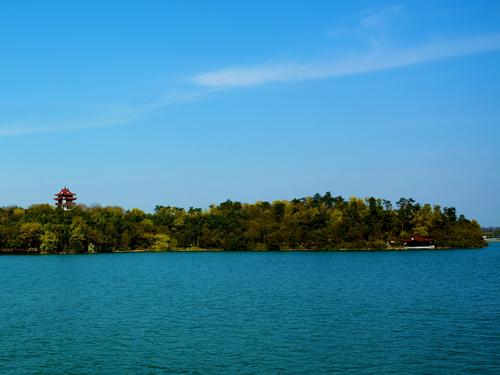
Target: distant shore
(317, 223)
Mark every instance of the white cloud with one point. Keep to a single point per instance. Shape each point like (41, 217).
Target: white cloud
(373, 61)
(112, 117)
(376, 18)
(179, 97)
(41, 128)
(370, 28)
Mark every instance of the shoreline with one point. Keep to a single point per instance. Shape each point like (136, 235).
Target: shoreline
(199, 250)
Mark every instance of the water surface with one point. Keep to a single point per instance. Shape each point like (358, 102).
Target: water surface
(231, 312)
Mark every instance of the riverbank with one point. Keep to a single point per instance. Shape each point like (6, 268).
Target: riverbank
(201, 250)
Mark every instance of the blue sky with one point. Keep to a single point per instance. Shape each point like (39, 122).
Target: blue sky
(190, 103)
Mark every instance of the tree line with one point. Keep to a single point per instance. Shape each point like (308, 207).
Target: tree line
(320, 222)
(492, 232)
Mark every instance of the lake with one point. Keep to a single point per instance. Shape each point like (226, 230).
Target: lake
(248, 312)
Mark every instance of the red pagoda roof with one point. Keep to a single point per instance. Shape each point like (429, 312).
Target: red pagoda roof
(65, 193)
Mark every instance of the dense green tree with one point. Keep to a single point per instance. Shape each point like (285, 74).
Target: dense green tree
(317, 222)
(30, 234)
(48, 242)
(161, 241)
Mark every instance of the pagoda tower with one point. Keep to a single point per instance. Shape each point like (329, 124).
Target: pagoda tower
(65, 198)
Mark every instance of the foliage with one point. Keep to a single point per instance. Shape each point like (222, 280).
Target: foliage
(311, 223)
(161, 241)
(48, 242)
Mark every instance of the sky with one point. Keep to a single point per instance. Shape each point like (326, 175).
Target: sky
(189, 103)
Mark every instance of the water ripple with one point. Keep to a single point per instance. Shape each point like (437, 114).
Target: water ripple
(296, 313)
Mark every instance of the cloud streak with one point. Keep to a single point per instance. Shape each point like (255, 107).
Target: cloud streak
(114, 117)
(376, 18)
(376, 60)
(371, 25)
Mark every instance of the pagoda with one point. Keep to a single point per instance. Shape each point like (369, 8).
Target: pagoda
(65, 198)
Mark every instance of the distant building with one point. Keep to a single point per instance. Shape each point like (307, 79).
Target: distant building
(419, 242)
(65, 199)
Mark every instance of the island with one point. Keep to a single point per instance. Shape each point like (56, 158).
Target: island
(319, 222)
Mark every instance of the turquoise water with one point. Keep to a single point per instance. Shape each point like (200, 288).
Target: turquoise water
(292, 312)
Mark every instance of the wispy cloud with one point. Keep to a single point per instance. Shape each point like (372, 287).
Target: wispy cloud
(179, 97)
(375, 18)
(368, 22)
(370, 26)
(112, 117)
(24, 128)
(375, 60)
